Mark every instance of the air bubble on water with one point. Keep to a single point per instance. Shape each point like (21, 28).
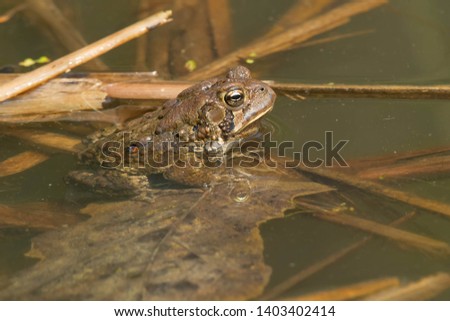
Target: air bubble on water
(240, 190)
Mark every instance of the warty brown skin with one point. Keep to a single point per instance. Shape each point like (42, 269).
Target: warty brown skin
(203, 121)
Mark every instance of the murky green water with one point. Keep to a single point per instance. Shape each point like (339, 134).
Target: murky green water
(408, 45)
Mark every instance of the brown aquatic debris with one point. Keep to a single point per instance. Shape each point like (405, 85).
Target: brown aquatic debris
(61, 97)
(401, 236)
(38, 76)
(56, 99)
(391, 159)
(349, 292)
(300, 91)
(175, 248)
(424, 166)
(426, 288)
(380, 189)
(47, 139)
(157, 90)
(21, 162)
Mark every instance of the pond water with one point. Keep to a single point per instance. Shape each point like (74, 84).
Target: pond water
(407, 44)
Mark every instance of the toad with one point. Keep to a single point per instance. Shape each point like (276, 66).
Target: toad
(186, 139)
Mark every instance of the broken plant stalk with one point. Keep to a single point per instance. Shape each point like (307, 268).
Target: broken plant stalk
(300, 91)
(349, 292)
(380, 189)
(424, 289)
(404, 237)
(426, 166)
(88, 93)
(157, 90)
(70, 61)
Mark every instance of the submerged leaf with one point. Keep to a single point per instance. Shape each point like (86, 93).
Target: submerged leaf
(186, 245)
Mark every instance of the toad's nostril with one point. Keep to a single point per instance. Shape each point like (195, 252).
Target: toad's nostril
(262, 89)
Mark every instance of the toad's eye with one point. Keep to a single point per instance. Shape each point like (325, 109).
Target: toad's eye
(234, 98)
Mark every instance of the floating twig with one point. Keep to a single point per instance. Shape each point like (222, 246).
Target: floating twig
(89, 93)
(424, 166)
(404, 237)
(380, 189)
(363, 91)
(148, 90)
(391, 159)
(70, 61)
(424, 289)
(349, 292)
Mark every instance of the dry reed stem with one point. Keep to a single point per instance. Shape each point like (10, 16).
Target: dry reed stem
(424, 289)
(38, 76)
(380, 189)
(404, 237)
(349, 292)
(425, 166)
(300, 91)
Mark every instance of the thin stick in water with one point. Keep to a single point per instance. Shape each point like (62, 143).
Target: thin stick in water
(380, 189)
(21, 162)
(70, 61)
(349, 292)
(423, 289)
